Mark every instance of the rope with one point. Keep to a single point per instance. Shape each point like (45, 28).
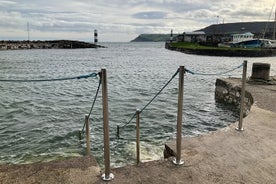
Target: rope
(220, 73)
(54, 79)
(96, 95)
(189, 71)
(133, 116)
(62, 79)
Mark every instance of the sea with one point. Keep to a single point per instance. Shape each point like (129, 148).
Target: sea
(40, 121)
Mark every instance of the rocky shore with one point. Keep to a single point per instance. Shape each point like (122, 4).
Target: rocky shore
(49, 44)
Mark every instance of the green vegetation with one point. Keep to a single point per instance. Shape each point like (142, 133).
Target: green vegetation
(152, 38)
(195, 48)
(188, 45)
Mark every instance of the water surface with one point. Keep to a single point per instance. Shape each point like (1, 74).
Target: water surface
(40, 121)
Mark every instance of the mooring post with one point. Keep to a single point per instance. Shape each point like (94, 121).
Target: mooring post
(240, 128)
(80, 136)
(118, 132)
(107, 175)
(177, 160)
(87, 135)
(138, 136)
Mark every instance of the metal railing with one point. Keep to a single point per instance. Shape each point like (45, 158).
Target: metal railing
(103, 82)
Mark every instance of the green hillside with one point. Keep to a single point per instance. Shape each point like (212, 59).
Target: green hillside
(152, 38)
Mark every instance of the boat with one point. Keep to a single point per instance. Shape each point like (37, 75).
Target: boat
(246, 40)
(254, 43)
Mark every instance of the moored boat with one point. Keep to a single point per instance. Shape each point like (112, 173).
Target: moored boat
(254, 43)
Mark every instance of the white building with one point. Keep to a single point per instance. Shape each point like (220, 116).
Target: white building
(3, 47)
(242, 37)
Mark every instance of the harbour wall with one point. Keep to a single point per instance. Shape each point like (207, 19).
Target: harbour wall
(228, 91)
(229, 52)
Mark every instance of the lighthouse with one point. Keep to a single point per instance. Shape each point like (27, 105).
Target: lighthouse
(171, 38)
(95, 37)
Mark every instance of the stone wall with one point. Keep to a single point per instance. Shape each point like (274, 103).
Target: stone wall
(228, 91)
(229, 52)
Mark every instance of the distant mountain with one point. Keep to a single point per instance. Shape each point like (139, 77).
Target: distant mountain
(152, 38)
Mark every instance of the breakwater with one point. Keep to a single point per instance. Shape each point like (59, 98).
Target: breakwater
(50, 44)
(229, 52)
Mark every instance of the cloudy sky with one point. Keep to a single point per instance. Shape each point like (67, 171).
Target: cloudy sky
(120, 20)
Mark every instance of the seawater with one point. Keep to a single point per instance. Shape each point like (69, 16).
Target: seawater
(39, 121)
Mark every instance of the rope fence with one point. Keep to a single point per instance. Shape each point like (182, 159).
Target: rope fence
(91, 75)
(103, 82)
(94, 100)
(50, 80)
(169, 81)
(181, 71)
(210, 74)
(155, 96)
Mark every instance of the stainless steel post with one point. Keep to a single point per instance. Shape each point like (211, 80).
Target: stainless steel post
(107, 175)
(138, 136)
(87, 135)
(178, 160)
(240, 128)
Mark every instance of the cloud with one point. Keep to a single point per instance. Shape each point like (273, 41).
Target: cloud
(120, 19)
(150, 15)
(4, 3)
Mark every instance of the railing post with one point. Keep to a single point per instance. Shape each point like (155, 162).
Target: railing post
(240, 128)
(138, 136)
(107, 175)
(80, 136)
(118, 132)
(177, 160)
(87, 135)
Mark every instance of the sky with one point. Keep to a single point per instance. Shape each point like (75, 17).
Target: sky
(120, 20)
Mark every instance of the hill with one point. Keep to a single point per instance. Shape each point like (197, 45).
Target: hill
(152, 38)
(257, 28)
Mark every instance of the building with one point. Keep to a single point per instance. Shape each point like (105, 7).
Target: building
(3, 47)
(242, 37)
(193, 37)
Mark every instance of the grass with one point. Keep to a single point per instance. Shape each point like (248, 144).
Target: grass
(188, 45)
